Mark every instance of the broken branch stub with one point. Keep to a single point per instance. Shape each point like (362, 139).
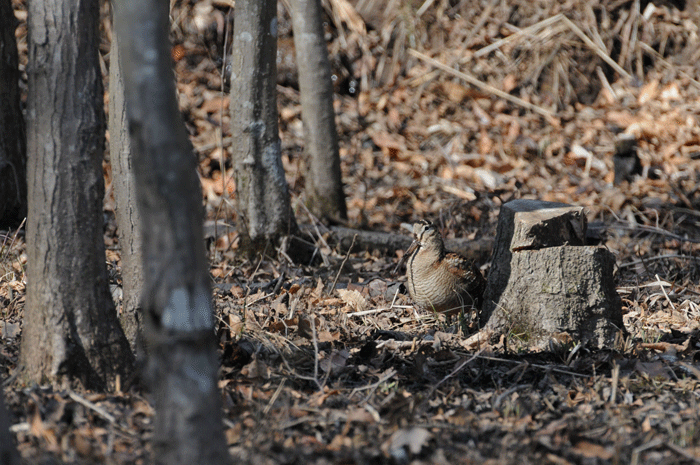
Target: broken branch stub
(544, 281)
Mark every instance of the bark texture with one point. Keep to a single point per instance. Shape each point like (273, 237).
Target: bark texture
(177, 304)
(13, 155)
(8, 451)
(71, 332)
(324, 184)
(545, 282)
(528, 225)
(560, 290)
(128, 216)
(261, 186)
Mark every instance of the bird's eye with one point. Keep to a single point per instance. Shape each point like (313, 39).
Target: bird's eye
(427, 229)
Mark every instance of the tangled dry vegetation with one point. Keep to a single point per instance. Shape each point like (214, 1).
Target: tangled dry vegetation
(445, 111)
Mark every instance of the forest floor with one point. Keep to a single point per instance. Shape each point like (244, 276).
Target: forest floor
(329, 363)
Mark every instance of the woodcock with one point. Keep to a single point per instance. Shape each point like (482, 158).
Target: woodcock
(439, 280)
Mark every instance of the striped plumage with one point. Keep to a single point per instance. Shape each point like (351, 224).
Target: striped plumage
(439, 280)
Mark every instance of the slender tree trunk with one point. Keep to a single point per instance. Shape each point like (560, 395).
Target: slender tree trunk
(324, 184)
(128, 217)
(13, 154)
(8, 451)
(177, 303)
(71, 331)
(261, 186)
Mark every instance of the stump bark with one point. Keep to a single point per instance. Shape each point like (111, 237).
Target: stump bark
(545, 282)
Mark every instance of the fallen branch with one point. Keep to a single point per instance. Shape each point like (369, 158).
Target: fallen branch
(478, 250)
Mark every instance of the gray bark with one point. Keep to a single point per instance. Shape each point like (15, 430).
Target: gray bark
(127, 212)
(544, 281)
(13, 156)
(560, 290)
(177, 303)
(529, 224)
(261, 186)
(8, 451)
(324, 184)
(71, 332)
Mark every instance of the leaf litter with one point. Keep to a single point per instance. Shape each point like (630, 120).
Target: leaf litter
(445, 111)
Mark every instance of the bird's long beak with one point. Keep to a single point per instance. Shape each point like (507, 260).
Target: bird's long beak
(412, 248)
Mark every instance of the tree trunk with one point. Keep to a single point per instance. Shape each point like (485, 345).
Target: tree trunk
(261, 186)
(324, 184)
(13, 156)
(8, 451)
(128, 217)
(177, 302)
(71, 332)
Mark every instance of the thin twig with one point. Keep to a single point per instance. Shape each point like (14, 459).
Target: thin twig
(390, 373)
(654, 230)
(592, 45)
(482, 85)
(682, 452)
(657, 257)
(604, 82)
(647, 48)
(274, 397)
(424, 7)
(544, 367)
(396, 294)
(525, 31)
(663, 290)
(499, 399)
(315, 223)
(613, 382)
(95, 408)
(459, 368)
(370, 312)
(574, 28)
(14, 238)
(485, 15)
(335, 281)
(266, 296)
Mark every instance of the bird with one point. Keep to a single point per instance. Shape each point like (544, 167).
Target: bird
(439, 280)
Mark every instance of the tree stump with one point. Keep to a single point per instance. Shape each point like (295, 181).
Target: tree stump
(545, 282)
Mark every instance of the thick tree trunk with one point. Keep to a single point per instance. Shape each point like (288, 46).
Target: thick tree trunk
(13, 156)
(261, 187)
(71, 331)
(128, 217)
(177, 303)
(324, 184)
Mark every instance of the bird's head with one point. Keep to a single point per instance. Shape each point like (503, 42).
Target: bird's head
(425, 233)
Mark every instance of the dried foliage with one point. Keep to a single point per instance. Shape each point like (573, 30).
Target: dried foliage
(330, 363)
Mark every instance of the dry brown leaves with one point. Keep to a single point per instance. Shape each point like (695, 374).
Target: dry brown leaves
(331, 363)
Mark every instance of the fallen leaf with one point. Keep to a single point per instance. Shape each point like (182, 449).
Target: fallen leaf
(590, 450)
(354, 299)
(413, 438)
